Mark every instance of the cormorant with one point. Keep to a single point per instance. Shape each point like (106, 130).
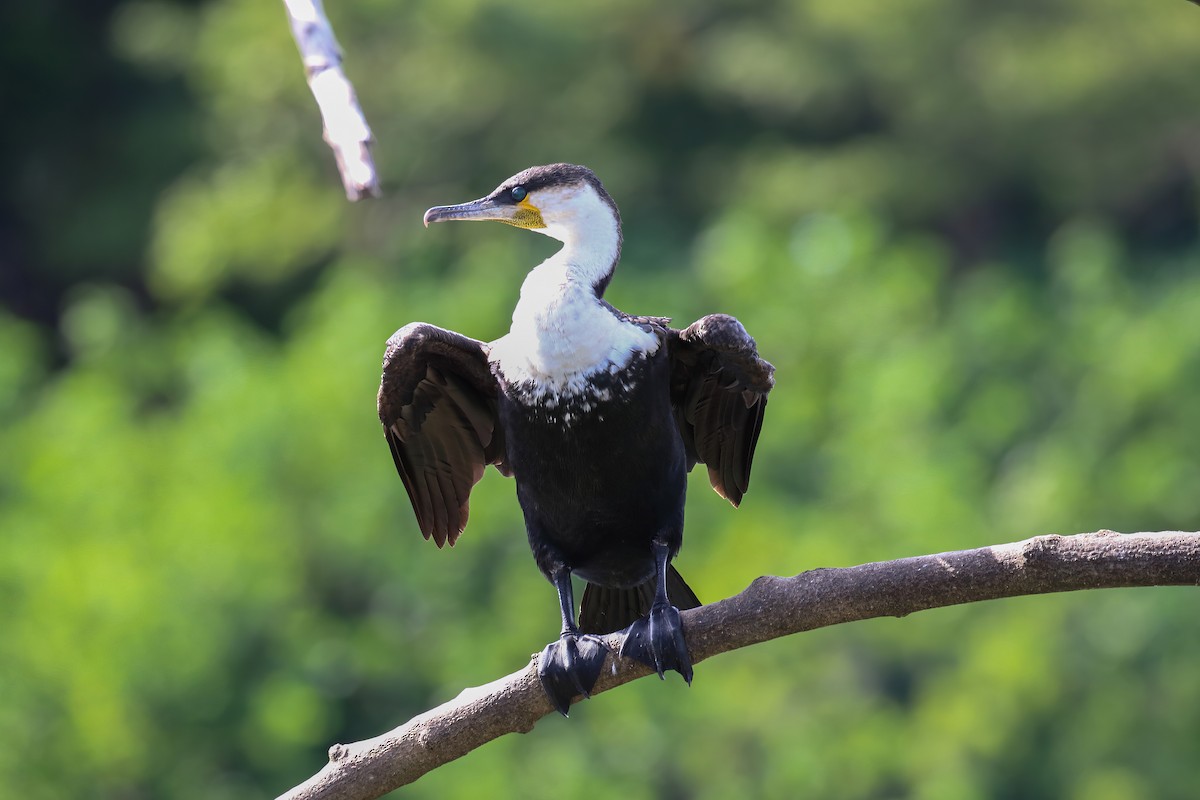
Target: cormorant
(598, 416)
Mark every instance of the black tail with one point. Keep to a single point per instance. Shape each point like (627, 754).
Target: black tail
(605, 609)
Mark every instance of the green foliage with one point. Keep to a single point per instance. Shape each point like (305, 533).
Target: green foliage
(965, 235)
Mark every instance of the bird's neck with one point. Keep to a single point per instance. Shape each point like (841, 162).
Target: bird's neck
(558, 295)
(591, 237)
(562, 332)
(569, 284)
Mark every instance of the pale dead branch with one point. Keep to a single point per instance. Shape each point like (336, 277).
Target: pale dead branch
(346, 129)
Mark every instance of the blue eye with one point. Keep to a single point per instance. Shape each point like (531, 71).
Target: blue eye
(518, 193)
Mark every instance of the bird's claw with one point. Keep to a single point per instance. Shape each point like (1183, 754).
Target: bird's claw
(656, 640)
(570, 667)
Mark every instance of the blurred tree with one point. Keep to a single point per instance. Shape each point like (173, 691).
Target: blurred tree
(967, 235)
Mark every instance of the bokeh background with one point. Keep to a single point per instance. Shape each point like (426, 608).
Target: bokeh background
(967, 234)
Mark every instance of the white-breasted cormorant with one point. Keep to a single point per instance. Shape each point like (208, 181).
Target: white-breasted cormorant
(597, 415)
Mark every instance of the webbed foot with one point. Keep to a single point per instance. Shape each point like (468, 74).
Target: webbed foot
(656, 640)
(571, 666)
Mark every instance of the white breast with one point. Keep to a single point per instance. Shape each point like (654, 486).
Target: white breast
(562, 335)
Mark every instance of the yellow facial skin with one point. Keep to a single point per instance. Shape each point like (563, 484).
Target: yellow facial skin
(527, 215)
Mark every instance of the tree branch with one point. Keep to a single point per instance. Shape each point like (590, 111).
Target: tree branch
(346, 129)
(769, 608)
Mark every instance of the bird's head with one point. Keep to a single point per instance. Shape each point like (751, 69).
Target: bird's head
(563, 201)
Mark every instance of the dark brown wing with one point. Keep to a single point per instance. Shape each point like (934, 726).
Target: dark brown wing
(719, 389)
(437, 403)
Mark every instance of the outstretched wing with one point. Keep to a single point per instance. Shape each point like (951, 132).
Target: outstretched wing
(437, 403)
(719, 389)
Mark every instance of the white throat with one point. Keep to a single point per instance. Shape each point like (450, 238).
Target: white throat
(588, 228)
(562, 334)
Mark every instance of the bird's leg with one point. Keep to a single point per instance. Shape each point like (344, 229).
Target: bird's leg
(570, 666)
(656, 640)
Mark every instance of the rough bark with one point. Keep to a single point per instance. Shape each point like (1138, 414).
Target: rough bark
(769, 608)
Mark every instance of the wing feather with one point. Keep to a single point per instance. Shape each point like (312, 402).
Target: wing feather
(719, 388)
(437, 403)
